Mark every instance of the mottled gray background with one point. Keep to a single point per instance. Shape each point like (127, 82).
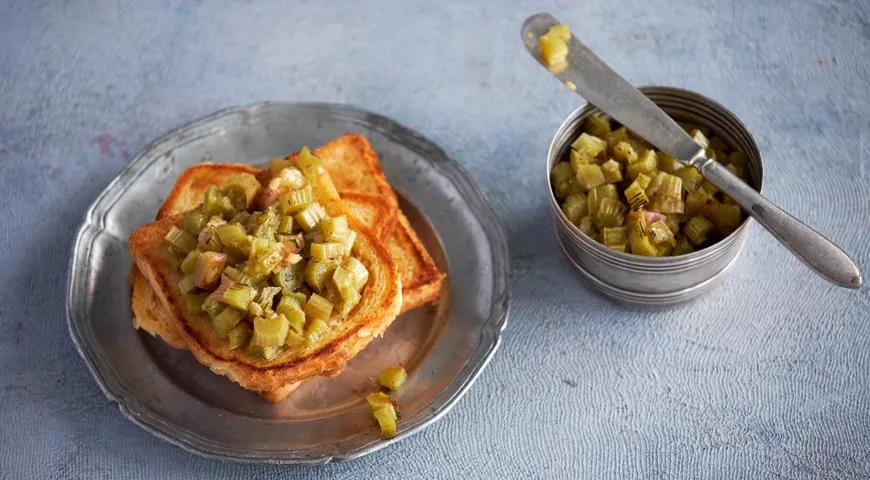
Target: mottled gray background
(768, 377)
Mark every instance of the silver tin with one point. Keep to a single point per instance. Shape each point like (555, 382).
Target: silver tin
(655, 281)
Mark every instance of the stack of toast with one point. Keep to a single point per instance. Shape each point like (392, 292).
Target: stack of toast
(403, 274)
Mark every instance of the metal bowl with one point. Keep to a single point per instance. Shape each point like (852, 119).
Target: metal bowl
(655, 281)
(168, 393)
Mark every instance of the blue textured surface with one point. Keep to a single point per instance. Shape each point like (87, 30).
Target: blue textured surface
(768, 377)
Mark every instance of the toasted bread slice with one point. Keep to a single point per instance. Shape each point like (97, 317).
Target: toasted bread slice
(380, 304)
(418, 270)
(355, 170)
(149, 314)
(375, 206)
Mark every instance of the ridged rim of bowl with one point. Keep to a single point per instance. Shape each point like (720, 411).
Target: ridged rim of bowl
(688, 102)
(649, 299)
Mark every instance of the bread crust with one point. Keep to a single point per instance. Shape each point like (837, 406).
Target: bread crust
(355, 170)
(416, 266)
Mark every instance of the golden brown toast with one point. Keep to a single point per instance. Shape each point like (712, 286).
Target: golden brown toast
(421, 279)
(380, 304)
(150, 315)
(375, 207)
(355, 169)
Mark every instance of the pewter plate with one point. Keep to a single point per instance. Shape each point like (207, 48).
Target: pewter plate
(166, 392)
